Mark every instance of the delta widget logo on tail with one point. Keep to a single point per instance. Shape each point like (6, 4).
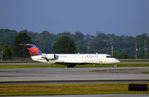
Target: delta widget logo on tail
(33, 50)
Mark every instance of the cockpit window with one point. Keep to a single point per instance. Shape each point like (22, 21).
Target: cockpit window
(109, 56)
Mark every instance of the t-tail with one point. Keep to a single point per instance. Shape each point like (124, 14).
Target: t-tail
(33, 50)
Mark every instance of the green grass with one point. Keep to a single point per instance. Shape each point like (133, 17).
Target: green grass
(30, 66)
(147, 72)
(66, 89)
(133, 65)
(134, 60)
(63, 66)
(118, 65)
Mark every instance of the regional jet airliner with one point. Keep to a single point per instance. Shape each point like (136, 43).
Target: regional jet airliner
(70, 59)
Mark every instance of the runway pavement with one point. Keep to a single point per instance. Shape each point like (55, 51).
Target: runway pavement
(75, 74)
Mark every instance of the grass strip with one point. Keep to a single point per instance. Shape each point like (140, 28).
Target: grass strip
(134, 60)
(66, 89)
(147, 72)
(118, 65)
(89, 65)
(133, 65)
(30, 66)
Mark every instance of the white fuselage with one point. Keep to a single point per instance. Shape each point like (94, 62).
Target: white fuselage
(76, 58)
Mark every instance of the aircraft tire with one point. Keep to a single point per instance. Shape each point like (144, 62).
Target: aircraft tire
(70, 65)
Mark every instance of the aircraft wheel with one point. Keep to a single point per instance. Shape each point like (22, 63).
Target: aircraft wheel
(112, 65)
(70, 65)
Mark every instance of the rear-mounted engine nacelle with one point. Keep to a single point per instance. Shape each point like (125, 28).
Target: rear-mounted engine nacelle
(51, 56)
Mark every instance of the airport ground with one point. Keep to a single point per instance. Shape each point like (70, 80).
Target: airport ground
(16, 78)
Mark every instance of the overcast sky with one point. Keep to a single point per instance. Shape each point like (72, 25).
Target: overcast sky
(121, 17)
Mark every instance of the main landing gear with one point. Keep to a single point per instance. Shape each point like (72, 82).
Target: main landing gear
(112, 65)
(70, 65)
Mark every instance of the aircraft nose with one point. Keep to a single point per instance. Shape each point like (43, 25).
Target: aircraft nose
(117, 61)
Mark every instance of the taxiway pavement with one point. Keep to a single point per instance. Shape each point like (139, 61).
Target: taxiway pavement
(74, 74)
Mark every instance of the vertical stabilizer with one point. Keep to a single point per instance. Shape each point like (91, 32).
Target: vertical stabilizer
(33, 50)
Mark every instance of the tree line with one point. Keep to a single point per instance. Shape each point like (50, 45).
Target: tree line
(124, 46)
